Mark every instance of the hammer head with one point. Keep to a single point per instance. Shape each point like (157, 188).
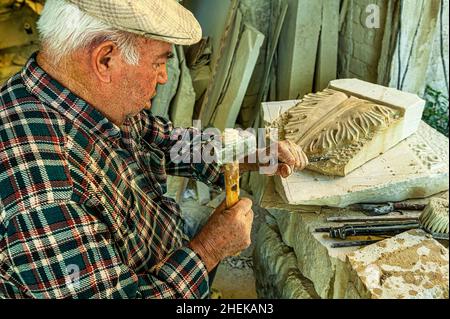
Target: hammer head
(236, 145)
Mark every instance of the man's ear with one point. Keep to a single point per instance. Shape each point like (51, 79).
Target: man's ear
(104, 58)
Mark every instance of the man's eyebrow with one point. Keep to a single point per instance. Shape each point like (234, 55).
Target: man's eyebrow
(168, 55)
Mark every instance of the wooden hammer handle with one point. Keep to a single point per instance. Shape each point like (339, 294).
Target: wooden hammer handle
(231, 172)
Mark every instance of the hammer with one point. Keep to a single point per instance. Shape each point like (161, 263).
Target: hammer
(237, 144)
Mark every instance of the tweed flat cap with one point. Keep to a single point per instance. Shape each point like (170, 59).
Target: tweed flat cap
(164, 20)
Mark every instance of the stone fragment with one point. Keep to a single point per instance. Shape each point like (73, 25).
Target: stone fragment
(203, 193)
(182, 106)
(225, 37)
(298, 46)
(408, 266)
(326, 64)
(200, 80)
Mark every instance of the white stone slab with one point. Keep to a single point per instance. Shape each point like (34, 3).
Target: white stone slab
(240, 74)
(182, 106)
(327, 55)
(297, 52)
(411, 104)
(221, 60)
(408, 266)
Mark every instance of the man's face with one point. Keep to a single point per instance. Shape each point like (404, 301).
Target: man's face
(136, 84)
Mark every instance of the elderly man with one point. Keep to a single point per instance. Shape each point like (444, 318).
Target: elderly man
(83, 162)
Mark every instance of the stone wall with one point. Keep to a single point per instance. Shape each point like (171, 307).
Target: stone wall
(361, 44)
(435, 74)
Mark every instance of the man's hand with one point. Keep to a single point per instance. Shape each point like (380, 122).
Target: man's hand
(226, 233)
(290, 158)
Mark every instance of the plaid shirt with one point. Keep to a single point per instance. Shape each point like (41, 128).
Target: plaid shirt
(82, 206)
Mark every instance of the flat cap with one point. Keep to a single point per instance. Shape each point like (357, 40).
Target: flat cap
(164, 20)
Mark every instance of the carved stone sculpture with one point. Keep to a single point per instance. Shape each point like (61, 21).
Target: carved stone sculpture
(414, 163)
(341, 130)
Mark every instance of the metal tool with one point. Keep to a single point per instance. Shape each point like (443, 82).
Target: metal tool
(384, 209)
(316, 159)
(370, 229)
(355, 243)
(434, 219)
(352, 219)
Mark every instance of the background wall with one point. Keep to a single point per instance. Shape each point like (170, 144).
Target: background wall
(360, 46)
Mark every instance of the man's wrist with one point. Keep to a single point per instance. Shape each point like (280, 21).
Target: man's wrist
(208, 260)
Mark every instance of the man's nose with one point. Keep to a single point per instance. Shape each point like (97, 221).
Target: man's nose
(162, 76)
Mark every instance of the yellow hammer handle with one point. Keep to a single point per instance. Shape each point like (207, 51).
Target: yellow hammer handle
(231, 172)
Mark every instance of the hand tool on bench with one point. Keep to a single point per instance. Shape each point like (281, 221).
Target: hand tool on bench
(356, 219)
(373, 229)
(384, 209)
(436, 224)
(355, 243)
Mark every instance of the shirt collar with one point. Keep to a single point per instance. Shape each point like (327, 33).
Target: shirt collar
(53, 93)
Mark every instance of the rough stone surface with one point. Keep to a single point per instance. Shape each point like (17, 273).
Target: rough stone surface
(410, 265)
(412, 57)
(324, 266)
(436, 77)
(276, 271)
(316, 260)
(359, 45)
(368, 53)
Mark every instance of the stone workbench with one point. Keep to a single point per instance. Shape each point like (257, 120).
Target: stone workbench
(289, 239)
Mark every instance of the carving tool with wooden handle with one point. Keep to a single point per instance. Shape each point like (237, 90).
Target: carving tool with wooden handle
(237, 144)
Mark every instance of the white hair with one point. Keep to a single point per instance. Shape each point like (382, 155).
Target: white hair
(64, 28)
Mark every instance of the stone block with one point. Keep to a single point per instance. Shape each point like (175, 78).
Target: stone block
(182, 106)
(275, 267)
(416, 168)
(327, 267)
(240, 74)
(410, 104)
(316, 260)
(409, 266)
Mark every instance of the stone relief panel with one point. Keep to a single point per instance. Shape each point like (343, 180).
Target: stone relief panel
(337, 131)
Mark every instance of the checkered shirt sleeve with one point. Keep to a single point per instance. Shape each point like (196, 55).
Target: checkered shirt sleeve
(160, 132)
(59, 250)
